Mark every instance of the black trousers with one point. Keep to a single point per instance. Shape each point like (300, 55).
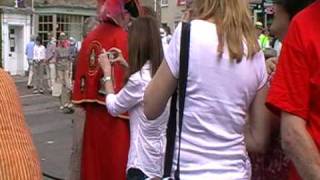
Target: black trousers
(136, 174)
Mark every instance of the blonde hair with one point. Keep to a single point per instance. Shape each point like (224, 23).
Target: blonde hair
(234, 25)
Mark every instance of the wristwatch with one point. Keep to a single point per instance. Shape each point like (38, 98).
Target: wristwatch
(106, 79)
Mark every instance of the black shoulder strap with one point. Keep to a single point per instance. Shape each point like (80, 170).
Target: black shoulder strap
(183, 79)
(172, 124)
(171, 136)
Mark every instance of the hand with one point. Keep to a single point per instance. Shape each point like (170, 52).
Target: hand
(105, 63)
(271, 64)
(119, 58)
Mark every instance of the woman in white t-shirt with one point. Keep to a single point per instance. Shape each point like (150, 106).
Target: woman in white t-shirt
(147, 138)
(226, 84)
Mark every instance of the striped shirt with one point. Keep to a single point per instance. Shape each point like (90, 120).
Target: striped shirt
(18, 156)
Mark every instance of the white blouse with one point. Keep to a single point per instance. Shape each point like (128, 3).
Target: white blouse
(218, 96)
(147, 138)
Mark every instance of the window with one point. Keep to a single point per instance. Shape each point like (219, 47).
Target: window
(69, 24)
(20, 4)
(12, 39)
(45, 27)
(164, 3)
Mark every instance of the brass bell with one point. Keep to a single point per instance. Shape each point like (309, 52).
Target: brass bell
(102, 89)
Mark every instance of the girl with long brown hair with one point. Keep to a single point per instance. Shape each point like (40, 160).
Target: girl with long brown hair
(146, 154)
(225, 85)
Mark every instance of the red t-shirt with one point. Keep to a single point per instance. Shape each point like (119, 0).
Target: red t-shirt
(296, 85)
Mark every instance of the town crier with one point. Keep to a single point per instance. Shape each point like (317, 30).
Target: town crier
(106, 138)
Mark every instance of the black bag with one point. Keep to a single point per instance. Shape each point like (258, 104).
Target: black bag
(172, 123)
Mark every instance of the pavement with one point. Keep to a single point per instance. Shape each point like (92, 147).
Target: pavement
(51, 129)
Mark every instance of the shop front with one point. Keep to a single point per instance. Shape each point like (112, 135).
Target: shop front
(57, 19)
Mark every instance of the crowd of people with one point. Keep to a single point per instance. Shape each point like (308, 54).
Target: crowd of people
(223, 119)
(51, 67)
(246, 110)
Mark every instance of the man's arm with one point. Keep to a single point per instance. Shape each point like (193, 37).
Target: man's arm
(260, 125)
(300, 147)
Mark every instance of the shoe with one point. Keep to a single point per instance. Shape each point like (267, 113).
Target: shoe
(71, 110)
(29, 86)
(35, 91)
(68, 111)
(41, 91)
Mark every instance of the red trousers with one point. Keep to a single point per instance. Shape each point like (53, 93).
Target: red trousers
(105, 145)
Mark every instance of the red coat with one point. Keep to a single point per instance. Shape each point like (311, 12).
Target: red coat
(88, 73)
(106, 138)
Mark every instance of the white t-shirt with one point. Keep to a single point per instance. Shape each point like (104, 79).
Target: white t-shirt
(218, 96)
(147, 138)
(39, 53)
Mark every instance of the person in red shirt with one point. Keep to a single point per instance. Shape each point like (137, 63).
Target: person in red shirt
(273, 164)
(295, 94)
(106, 138)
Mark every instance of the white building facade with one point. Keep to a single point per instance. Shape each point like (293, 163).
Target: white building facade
(171, 12)
(16, 32)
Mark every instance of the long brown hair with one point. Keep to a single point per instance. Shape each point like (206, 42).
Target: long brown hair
(234, 25)
(144, 45)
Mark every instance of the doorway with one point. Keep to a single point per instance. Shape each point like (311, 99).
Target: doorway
(16, 60)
